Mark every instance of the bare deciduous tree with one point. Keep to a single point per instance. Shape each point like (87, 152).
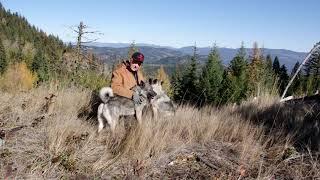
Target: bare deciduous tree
(84, 36)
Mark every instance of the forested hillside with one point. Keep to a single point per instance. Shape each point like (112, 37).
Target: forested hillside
(40, 57)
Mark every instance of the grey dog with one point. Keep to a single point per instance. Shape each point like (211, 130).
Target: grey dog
(114, 106)
(161, 104)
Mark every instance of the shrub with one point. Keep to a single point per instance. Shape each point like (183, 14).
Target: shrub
(17, 78)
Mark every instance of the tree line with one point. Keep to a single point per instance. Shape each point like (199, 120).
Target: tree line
(247, 75)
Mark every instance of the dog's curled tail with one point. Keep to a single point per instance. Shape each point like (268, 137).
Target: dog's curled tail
(105, 93)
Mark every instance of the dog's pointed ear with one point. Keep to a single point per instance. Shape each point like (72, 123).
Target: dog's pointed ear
(161, 83)
(142, 83)
(155, 81)
(150, 80)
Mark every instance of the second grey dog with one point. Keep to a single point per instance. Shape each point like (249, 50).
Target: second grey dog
(114, 106)
(161, 104)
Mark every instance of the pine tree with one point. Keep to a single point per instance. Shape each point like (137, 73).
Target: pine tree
(312, 68)
(211, 78)
(189, 80)
(239, 62)
(227, 88)
(296, 87)
(176, 84)
(40, 66)
(309, 84)
(269, 62)
(284, 78)
(3, 58)
(268, 74)
(276, 66)
(238, 69)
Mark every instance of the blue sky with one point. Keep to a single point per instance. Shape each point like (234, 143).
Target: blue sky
(281, 24)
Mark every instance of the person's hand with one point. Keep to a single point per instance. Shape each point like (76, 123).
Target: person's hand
(137, 98)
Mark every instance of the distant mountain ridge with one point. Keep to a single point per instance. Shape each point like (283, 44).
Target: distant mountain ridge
(152, 54)
(123, 45)
(155, 54)
(287, 57)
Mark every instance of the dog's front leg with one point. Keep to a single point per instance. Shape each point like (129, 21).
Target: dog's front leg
(155, 111)
(113, 124)
(139, 115)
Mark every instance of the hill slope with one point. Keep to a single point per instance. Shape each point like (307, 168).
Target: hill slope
(41, 141)
(22, 41)
(44, 56)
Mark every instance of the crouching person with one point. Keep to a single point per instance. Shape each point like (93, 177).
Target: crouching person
(128, 75)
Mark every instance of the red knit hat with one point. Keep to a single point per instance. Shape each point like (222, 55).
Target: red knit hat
(138, 57)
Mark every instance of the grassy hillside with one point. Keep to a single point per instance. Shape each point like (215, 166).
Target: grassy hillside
(44, 138)
(48, 128)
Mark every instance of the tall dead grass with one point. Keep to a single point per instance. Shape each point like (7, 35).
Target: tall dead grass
(17, 77)
(193, 144)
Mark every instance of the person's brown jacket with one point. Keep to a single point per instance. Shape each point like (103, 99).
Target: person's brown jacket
(123, 80)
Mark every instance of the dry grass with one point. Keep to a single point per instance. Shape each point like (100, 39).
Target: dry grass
(220, 143)
(17, 77)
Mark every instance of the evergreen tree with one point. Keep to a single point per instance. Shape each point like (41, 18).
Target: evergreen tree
(40, 66)
(309, 84)
(269, 64)
(276, 71)
(276, 66)
(312, 69)
(284, 78)
(294, 70)
(310, 79)
(296, 86)
(176, 84)
(3, 58)
(269, 77)
(211, 78)
(189, 80)
(227, 88)
(238, 69)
